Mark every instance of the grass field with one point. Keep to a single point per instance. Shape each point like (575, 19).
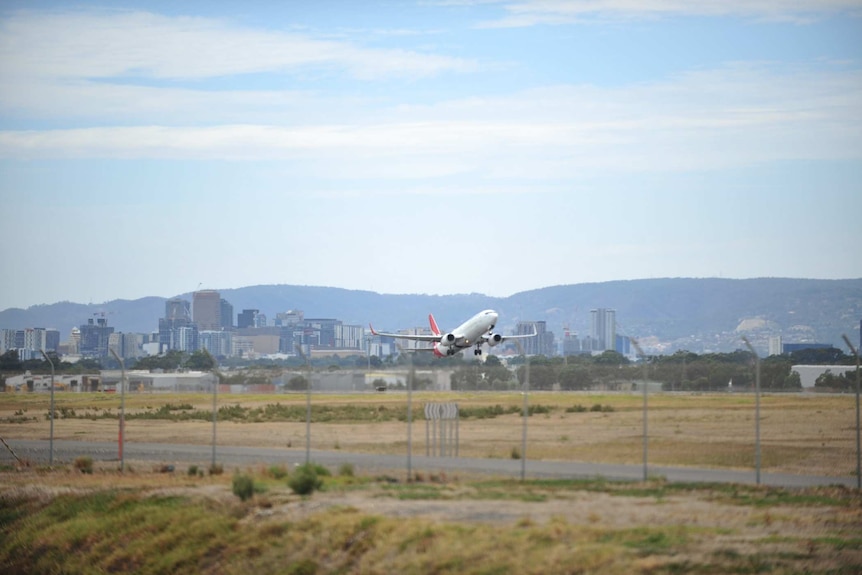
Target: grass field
(64, 521)
(145, 521)
(806, 434)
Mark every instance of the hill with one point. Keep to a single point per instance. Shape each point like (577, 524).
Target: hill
(673, 313)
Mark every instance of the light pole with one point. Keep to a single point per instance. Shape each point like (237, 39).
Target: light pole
(526, 394)
(858, 450)
(307, 405)
(51, 442)
(645, 412)
(410, 376)
(215, 406)
(756, 407)
(122, 437)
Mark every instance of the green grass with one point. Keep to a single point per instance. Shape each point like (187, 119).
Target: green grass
(129, 530)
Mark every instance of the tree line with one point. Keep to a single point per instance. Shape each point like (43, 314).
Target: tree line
(681, 371)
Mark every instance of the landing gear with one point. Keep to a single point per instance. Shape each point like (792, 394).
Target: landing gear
(477, 351)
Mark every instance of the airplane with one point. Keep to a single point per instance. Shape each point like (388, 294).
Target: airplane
(473, 332)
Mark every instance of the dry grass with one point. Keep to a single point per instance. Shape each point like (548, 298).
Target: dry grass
(800, 433)
(151, 522)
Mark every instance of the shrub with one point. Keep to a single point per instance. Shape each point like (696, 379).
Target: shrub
(216, 469)
(193, 470)
(576, 409)
(243, 486)
(84, 464)
(516, 453)
(305, 480)
(277, 471)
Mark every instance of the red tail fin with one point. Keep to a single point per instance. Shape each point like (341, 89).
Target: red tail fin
(434, 329)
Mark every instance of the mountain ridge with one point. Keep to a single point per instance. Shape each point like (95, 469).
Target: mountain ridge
(684, 313)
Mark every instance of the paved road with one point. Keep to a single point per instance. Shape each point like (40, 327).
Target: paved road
(67, 451)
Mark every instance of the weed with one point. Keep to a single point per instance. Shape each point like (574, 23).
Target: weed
(243, 486)
(346, 470)
(578, 408)
(305, 480)
(84, 464)
(277, 471)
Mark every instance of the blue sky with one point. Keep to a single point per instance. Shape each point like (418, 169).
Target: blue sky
(147, 148)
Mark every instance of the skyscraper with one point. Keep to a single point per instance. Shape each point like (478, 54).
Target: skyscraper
(226, 314)
(206, 310)
(603, 328)
(177, 315)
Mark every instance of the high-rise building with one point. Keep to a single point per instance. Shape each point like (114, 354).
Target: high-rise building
(177, 309)
(94, 338)
(542, 344)
(775, 345)
(289, 318)
(177, 315)
(226, 314)
(603, 328)
(206, 310)
(7, 340)
(217, 343)
(246, 318)
(349, 336)
(126, 345)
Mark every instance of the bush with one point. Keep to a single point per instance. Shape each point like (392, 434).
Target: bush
(516, 453)
(243, 486)
(277, 471)
(305, 480)
(602, 408)
(84, 464)
(216, 469)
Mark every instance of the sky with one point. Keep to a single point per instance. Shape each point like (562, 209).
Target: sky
(427, 146)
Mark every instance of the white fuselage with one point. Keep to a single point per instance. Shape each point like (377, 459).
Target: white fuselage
(468, 333)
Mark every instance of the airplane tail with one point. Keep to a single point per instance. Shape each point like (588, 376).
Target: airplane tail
(434, 329)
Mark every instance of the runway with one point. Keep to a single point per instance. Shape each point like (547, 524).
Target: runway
(37, 451)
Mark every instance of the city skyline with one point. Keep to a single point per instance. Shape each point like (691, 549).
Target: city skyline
(494, 147)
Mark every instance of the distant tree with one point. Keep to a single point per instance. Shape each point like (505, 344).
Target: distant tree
(297, 383)
(542, 376)
(775, 373)
(201, 361)
(828, 356)
(9, 361)
(839, 382)
(169, 361)
(610, 357)
(89, 364)
(466, 378)
(575, 377)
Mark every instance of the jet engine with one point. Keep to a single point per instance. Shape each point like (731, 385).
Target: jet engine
(494, 339)
(447, 339)
(443, 350)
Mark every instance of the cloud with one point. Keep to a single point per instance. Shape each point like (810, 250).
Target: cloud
(75, 46)
(534, 12)
(733, 116)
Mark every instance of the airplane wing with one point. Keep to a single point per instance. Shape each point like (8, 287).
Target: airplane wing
(435, 338)
(495, 338)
